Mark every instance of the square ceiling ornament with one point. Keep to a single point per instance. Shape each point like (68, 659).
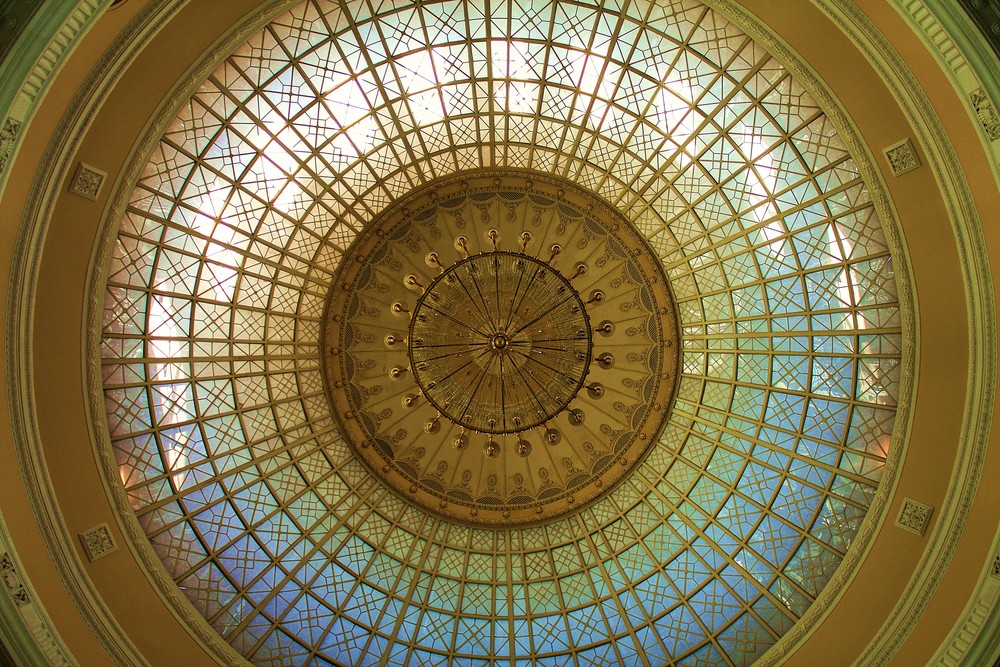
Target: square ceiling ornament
(88, 181)
(914, 516)
(98, 542)
(902, 157)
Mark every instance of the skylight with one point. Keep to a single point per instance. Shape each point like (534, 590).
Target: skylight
(714, 546)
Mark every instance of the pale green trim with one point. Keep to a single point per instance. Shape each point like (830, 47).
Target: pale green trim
(26, 630)
(963, 54)
(35, 59)
(136, 539)
(985, 650)
(975, 637)
(47, 28)
(28, 48)
(877, 514)
(17, 638)
(970, 63)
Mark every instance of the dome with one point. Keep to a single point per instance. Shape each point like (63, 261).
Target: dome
(513, 333)
(323, 267)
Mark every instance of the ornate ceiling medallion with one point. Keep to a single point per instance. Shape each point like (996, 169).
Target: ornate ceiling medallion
(502, 348)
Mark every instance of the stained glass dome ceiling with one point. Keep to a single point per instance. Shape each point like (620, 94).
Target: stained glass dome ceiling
(256, 500)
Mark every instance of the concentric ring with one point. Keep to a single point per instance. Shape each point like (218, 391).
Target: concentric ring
(475, 378)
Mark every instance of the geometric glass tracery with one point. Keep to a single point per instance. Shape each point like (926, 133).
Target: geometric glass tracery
(715, 544)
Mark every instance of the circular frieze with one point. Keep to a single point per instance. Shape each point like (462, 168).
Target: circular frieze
(500, 342)
(500, 348)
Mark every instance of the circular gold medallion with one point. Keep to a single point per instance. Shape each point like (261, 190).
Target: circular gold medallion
(501, 348)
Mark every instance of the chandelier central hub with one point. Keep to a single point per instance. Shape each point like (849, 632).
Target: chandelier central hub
(500, 342)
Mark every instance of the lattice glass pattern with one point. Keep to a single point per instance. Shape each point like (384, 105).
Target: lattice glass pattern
(714, 546)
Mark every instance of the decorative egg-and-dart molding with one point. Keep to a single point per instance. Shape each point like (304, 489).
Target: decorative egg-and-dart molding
(501, 348)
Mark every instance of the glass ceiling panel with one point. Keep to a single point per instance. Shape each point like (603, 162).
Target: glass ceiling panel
(262, 513)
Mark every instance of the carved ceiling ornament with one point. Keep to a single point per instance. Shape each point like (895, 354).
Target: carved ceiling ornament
(501, 348)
